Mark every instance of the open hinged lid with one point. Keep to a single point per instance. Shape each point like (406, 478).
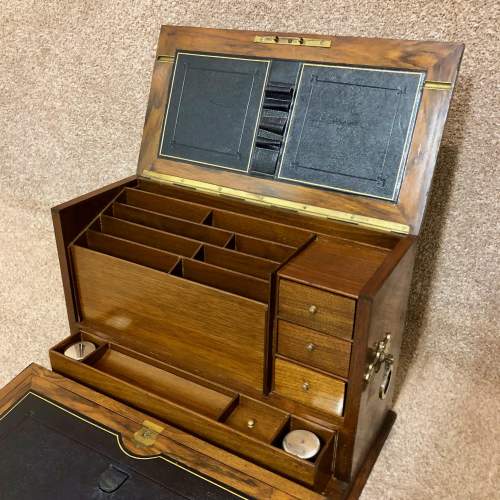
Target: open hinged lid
(336, 127)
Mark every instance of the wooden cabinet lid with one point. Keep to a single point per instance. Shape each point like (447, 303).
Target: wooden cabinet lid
(337, 127)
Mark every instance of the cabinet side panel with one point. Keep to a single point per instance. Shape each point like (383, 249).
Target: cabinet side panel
(388, 313)
(69, 219)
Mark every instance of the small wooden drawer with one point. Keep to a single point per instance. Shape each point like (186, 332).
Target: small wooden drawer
(313, 348)
(308, 387)
(257, 419)
(315, 308)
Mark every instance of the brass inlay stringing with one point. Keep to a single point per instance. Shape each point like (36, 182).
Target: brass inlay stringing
(293, 40)
(165, 59)
(270, 201)
(435, 85)
(147, 434)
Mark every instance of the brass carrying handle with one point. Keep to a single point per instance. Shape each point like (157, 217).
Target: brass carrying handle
(381, 357)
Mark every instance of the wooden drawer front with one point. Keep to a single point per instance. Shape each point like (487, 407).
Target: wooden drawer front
(308, 387)
(313, 348)
(308, 306)
(257, 420)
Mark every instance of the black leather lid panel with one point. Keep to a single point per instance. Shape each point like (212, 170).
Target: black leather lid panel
(213, 110)
(351, 128)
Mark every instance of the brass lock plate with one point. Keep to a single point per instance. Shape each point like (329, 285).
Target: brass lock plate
(294, 40)
(146, 436)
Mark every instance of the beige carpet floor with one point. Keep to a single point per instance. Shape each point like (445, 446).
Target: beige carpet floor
(74, 78)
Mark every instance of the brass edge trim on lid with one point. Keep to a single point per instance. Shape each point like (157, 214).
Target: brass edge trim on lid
(435, 85)
(314, 211)
(293, 40)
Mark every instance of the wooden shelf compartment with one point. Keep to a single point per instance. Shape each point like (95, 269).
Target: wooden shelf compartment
(223, 279)
(203, 408)
(164, 205)
(190, 319)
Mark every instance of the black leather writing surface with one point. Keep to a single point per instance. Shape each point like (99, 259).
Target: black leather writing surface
(213, 110)
(48, 453)
(350, 129)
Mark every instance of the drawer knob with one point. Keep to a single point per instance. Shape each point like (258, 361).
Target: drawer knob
(311, 347)
(251, 423)
(305, 386)
(313, 309)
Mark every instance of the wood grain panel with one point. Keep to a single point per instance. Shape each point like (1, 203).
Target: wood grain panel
(317, 309)
(313, 348)
(209, 332)
(261, 248)
(308, 387)
(223, 279)
(336, 265)
(163, 383)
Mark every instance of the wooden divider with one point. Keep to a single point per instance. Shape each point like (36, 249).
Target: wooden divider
(134, 252)
(148, 236)
(164, 205)
(224, 279)
(173, 225)
(225, 250)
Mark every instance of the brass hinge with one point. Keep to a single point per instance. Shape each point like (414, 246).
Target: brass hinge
(270, 201)
(147, 434)
(435, 85)
(293, 40)
(165, 59)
